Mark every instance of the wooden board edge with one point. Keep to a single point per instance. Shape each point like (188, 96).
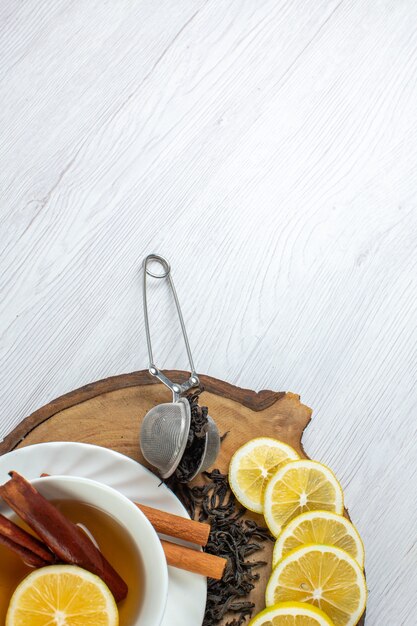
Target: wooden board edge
(256, 401)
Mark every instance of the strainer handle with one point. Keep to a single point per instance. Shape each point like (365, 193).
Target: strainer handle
(176, 388)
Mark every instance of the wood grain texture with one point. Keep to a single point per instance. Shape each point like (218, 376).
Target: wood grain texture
(256, 401)
(269, 150)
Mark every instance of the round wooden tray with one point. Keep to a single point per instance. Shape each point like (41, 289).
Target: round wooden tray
(109, 413)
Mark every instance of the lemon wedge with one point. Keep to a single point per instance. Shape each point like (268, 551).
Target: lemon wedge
(291, 614)
(253, 465)
(297, 487)
(320, 527)
(62, 595)
(324, 576)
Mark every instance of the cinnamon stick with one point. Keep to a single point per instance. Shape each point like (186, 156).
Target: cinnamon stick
(27, 556)
(176, 526)
(193, 561)
(32, 551)
(65, 539)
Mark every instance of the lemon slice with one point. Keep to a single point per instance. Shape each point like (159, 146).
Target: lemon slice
(325, 576)
(253, 465)
(62, 595)
(291, 614)
(320, 527)
(297, 487)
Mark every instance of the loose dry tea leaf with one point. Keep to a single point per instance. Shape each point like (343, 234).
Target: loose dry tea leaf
(194, 449)
(232, 537)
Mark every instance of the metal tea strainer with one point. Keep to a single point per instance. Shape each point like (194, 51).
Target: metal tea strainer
(165, 428)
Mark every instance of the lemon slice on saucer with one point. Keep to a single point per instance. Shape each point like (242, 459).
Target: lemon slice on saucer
(253, 465)
(291, 614)
(62, 595)
(320, 527)
(297, 487)
(324, 576)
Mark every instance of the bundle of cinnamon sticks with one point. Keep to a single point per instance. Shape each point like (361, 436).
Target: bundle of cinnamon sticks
(60, 540)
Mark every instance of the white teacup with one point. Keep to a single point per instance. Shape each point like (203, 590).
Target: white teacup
(133, 521)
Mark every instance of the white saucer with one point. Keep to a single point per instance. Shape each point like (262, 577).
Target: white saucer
(187, 592)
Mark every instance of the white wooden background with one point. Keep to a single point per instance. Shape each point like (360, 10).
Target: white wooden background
(268, 148)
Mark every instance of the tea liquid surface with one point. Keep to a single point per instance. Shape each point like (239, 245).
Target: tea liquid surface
(116, 545)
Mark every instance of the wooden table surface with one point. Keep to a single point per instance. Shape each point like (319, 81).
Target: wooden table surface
(268, 149)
